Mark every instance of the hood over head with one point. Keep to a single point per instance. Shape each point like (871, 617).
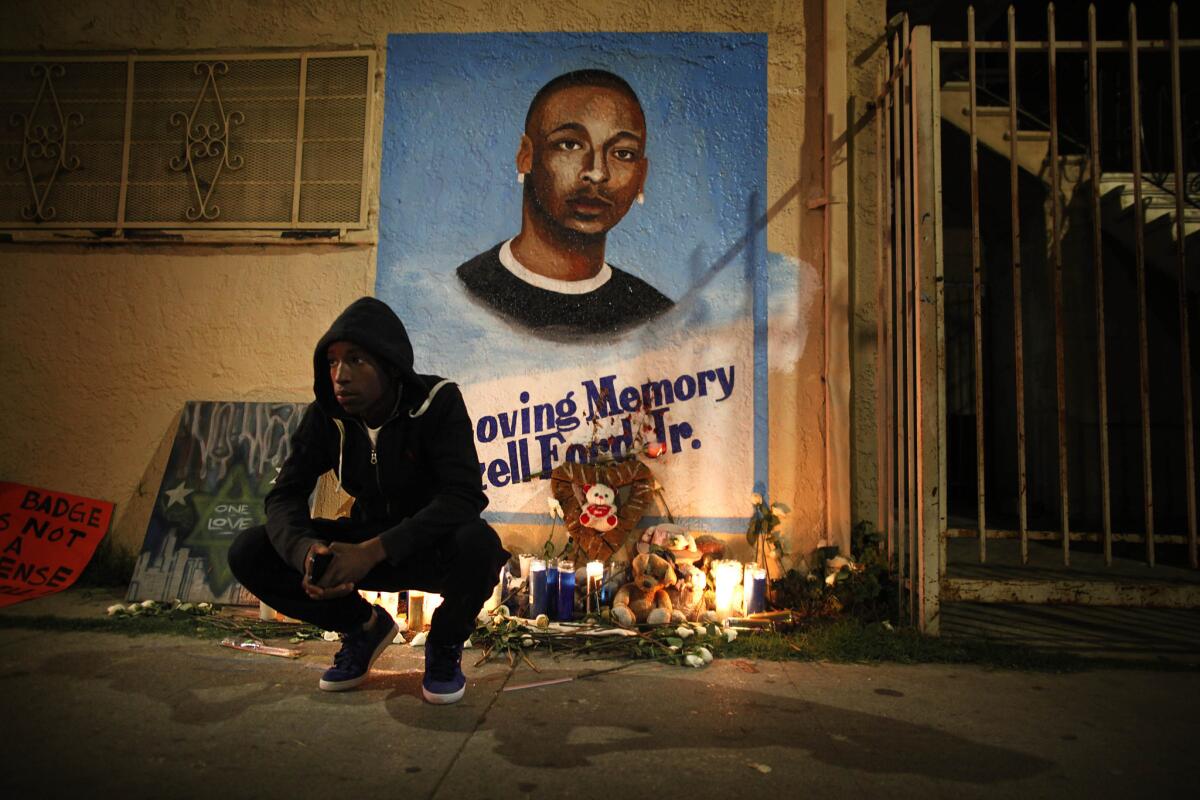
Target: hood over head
(371, 324)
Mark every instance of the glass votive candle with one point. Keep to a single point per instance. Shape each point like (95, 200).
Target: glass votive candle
(699, 584)
(537, 587)
(566, 590)
(551, 589)
(595, 582)
(726, 576)
(754, 589)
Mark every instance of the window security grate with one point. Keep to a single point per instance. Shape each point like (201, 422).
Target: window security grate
(226, 141)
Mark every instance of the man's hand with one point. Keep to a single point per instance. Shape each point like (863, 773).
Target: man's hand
(351, 562)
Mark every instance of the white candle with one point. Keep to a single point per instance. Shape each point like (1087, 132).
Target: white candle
(595, 574)
(726, 576)
(699, 584)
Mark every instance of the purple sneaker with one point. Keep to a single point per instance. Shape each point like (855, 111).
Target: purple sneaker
(359, 651)
(444, 681)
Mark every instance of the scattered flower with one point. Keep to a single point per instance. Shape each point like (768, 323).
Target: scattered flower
(730, 634)
(147, 604)
(467, 644)
(116, 608)
(705, 654)
(133, 608)
(763, 768)
(556, 509)
(542, 621)
(526, 641)
(831, 579)
(674, 648)
(684, 631)
(887, 626)
(693, 660)
(502, 612)
(419, 639)
(780, 510)
(205, 606)
(330, 636)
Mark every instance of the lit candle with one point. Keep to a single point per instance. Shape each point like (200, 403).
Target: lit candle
(726, 576)
(760, 589)
(754, 589)
(537, 587)
(432, 601)
(699, 584)
(595, 574)
(551, 589)
(566, 590)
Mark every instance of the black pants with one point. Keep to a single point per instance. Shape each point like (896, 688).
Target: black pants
(463, 569)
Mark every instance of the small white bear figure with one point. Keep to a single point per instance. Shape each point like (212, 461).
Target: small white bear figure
(600, 513)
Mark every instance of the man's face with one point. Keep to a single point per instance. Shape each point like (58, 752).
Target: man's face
(359, 381)
(584, 152)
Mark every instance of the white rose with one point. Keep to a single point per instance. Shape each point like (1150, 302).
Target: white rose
(147, 604)
(780, 510)
(730, 634)
(526, 641)
(542, 621)
(555, 507)
(674, 648)
(684, 631)
(133, 608)
(116, 608)
(705, 654)
(205, 606)
(693, 660)
(330, 636)
(756, 498)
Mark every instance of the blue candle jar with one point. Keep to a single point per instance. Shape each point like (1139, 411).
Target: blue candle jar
(566, 590)
(551, 589)
(537, 587)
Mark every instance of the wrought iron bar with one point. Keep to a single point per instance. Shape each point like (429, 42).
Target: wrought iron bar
(1139, 235)
(911, 298)
(977, 300)
(1018, 335)
(204, 142)
(1056, 267)
(44, 143)
(1098, 263)
(1185, 356)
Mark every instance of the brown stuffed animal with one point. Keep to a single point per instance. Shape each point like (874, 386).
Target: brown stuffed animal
(645, 599)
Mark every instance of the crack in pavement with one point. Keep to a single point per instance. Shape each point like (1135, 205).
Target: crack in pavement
(467, 739)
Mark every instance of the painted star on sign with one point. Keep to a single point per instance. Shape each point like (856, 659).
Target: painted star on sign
(177, 495)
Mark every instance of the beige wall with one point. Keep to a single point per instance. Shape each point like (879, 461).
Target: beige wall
(102, 344)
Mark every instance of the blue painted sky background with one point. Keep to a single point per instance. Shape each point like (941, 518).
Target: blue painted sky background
(455, 111)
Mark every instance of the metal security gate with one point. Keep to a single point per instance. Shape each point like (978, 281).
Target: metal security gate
(1036, 374)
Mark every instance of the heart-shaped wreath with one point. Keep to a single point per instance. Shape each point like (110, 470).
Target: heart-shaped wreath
(567, 482)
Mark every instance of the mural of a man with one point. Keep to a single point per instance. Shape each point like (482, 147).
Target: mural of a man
(582, 162)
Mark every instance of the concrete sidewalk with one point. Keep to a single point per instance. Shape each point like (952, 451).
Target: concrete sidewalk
(97, 714)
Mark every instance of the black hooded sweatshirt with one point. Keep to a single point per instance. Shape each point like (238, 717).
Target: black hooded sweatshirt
(418, 484)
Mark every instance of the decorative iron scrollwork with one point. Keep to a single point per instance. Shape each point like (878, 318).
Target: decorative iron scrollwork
(44, 144)
(205, 142)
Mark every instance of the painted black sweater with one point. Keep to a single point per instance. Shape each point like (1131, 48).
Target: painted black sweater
(425, 482)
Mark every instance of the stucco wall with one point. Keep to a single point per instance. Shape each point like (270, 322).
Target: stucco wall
(103, 344)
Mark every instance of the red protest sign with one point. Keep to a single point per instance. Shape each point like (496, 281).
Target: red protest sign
(46, 539)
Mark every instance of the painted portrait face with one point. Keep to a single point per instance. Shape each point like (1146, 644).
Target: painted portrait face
(584, 152)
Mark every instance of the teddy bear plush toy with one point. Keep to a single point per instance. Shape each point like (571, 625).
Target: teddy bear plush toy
(645, 598)
(600, 511)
